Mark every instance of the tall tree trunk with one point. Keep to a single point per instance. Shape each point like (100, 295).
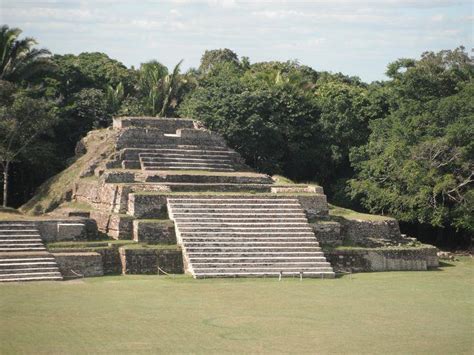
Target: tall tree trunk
(6, 167)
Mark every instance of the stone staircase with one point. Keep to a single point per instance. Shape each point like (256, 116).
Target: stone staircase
(247, 237)
(23, 256)
(182, 157)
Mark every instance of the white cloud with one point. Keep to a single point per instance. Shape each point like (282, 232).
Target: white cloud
(317, 31)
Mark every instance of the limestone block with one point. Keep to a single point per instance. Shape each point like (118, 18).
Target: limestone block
(70, 231)
(73, 265)
(314, 205)
(156, 231)
(149, 261)
(366, 233)
(147, 205)
(166, 125)
(111, 263)
(328, 233)
(383, 259)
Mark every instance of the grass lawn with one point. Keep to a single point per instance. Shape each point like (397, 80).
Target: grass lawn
(395, 312)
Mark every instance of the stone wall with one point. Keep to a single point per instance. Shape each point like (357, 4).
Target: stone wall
(73, 265)
(328, 233)
(115, 225)
(67, 229)
(369, 233)
(111, 262)
(383, 259)
(154, 231)
(166, 125)
(147, 261)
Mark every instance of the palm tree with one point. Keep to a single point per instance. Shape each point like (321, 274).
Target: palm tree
(114, 96)
(18, 60)
(170, 86)
(159, 87)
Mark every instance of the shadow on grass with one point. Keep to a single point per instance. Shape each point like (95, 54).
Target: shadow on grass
(446, 264)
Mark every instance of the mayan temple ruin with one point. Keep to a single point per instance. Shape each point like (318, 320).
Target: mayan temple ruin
(172, 197)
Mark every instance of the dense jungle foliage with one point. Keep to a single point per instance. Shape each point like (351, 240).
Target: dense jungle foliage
(402, 147)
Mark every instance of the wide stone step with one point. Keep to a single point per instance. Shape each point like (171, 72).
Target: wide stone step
(2, 249)
(211, 151)
(204, 220)
(235, 199)
(280, 231)
(20, 236)
(249, 240)
(23, 243)
(244, 259)
(262, 234)
(15, 258)
(202, 225)
(251, 249)
(241, 211)
(264, 268)
(14, 239)
(257, 254)
(268, 244)
(188, 187)
(34, 270)
(235, 205)
(29, 274)
(46, 264)
(260, 263)
(18, 231)
(15, 226)
(209, 178)
(272, 214)
(175, 162)
(200, 159)
(39, 277)
(162, 167)
(315, 274)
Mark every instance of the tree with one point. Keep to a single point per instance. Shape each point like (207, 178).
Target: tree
(159, 88)
(114, 97)
(18, 60)
(21, 124)
(274, 127)
(217, 56)
(418, 162)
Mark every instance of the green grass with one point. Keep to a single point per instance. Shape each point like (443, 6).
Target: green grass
(350, 214)
(393, 312)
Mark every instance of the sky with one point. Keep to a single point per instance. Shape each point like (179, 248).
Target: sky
(354, 37)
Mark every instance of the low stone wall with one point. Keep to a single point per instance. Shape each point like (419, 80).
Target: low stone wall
(154, 231)
(383, 259)
(297, 188)
(111, 262)
(73, 265)
(144, 137)
(166, 125)
(147, 261)
(67, 229)
(366, 233)
(328, 233)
